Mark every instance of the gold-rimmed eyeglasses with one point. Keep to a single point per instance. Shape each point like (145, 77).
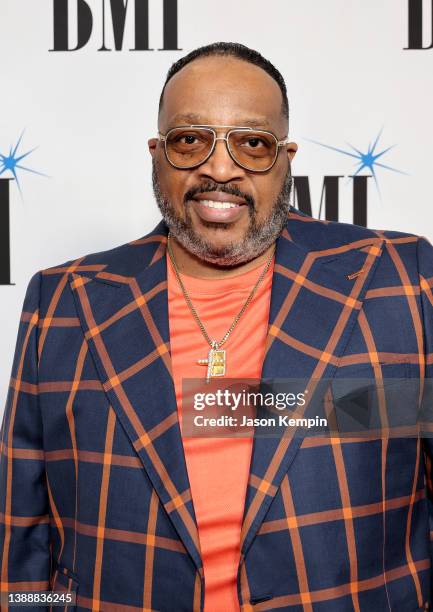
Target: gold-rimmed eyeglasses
(189, 146)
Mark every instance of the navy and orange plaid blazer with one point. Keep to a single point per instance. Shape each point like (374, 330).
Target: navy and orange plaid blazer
(95, 497)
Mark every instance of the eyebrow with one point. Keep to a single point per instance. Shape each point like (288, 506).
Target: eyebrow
(196, 119)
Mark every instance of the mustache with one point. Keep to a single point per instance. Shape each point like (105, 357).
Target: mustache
(212, 186)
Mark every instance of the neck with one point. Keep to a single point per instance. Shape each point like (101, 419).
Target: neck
(193, 266)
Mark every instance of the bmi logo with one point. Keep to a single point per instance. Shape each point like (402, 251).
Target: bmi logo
(370, 159)
(77, 18)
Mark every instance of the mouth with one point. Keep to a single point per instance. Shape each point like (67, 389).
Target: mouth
(219, 207)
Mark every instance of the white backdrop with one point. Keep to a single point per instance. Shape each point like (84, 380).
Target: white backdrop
(90, 114)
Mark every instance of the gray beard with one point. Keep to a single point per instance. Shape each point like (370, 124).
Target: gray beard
(257, 239)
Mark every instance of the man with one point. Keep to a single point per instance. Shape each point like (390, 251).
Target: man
(103, 497)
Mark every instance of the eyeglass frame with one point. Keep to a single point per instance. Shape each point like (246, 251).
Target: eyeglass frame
(213, 128)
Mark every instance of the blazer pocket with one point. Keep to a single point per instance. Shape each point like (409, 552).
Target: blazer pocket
(64, 582)
(364, 405)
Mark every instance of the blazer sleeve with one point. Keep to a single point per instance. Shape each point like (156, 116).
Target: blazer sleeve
(425, 269)
(24, 507)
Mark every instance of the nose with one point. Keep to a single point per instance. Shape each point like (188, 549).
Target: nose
(219, 166)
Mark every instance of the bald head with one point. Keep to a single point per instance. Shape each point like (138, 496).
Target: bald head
(223, 91)
(228, 50)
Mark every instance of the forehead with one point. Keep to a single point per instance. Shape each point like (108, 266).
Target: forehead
(222, 91)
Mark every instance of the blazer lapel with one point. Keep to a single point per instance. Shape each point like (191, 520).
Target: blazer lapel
(125, 321)
(316, 297)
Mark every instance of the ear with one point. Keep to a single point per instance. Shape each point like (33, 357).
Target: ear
(291, 149)
(152, 144)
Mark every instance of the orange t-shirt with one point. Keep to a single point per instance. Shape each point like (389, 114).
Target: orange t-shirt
(218, 468)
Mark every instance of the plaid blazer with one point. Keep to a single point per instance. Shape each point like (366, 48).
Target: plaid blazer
(95, 496)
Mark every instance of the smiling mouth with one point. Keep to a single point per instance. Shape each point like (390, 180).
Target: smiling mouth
(220, 205)
(218, 209)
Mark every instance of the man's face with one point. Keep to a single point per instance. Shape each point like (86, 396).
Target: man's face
(223, 91)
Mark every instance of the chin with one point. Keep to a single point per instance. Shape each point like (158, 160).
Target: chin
(219, 234)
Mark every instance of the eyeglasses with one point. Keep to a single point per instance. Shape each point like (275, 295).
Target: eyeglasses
(189, 146)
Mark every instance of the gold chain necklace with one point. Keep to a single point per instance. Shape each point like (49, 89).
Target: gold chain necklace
(216, 359)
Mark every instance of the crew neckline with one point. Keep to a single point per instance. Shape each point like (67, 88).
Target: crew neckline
(212, 286)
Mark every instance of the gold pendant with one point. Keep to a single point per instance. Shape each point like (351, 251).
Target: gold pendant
(216, 363)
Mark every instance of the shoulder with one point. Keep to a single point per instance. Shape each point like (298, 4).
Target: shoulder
(125, 260)
(321, 235)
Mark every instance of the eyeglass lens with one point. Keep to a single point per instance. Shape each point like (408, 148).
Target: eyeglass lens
(187, 147)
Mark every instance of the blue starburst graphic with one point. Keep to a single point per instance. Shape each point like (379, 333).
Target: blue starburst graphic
(12, 163)
(365, 160)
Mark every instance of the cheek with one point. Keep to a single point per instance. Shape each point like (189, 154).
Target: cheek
(267, 191)
(171, 181)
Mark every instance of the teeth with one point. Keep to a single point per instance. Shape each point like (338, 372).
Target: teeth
(215, 204)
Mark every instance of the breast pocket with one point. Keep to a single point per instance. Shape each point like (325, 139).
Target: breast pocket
(362, 403)
(65, 586)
